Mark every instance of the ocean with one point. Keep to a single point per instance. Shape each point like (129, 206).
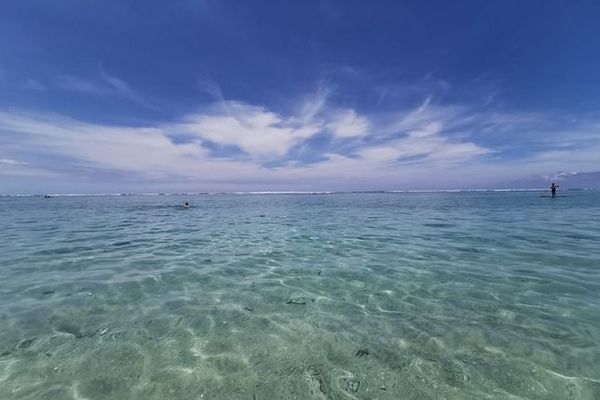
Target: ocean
(466, 295)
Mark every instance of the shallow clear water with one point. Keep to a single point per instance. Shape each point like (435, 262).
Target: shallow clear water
(345, 296)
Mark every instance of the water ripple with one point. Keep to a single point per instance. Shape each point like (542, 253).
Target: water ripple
(387, 296)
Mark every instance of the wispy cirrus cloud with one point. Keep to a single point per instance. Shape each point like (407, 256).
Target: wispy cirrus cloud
(32, 84)
(76, 84)
(18, 169)
(8, 161)
(210, 87)
(144, 150)
(103, 85)
(122, 88)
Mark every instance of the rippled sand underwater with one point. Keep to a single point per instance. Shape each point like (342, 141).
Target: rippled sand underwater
(343, 296)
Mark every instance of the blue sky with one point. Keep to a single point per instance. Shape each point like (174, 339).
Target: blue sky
(215, 95)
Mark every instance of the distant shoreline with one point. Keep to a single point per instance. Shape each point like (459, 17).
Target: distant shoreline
(288, 192)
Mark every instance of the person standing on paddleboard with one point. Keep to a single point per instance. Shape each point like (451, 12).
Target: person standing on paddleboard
(553, 188)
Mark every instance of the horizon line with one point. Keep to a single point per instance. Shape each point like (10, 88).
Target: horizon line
(283, 192)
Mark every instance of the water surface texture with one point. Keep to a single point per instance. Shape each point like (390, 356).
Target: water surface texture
(341, 296)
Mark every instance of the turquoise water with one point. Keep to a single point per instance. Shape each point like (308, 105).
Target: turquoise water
(342, 296)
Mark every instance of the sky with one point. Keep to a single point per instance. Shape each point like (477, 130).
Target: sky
(214, 95)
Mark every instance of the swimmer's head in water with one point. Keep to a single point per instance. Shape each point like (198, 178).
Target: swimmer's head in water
(186, 204)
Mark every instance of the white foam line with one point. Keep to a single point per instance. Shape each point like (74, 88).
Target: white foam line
(574, 378)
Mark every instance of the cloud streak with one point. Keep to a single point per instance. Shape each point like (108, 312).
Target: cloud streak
(32, 84)
(105, 85)
(8, 161)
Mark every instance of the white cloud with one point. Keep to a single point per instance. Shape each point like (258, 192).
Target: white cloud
(413, 148)
(144, 150)
(429, 129)
(260, 133)
(150, 153)
(348, 124)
